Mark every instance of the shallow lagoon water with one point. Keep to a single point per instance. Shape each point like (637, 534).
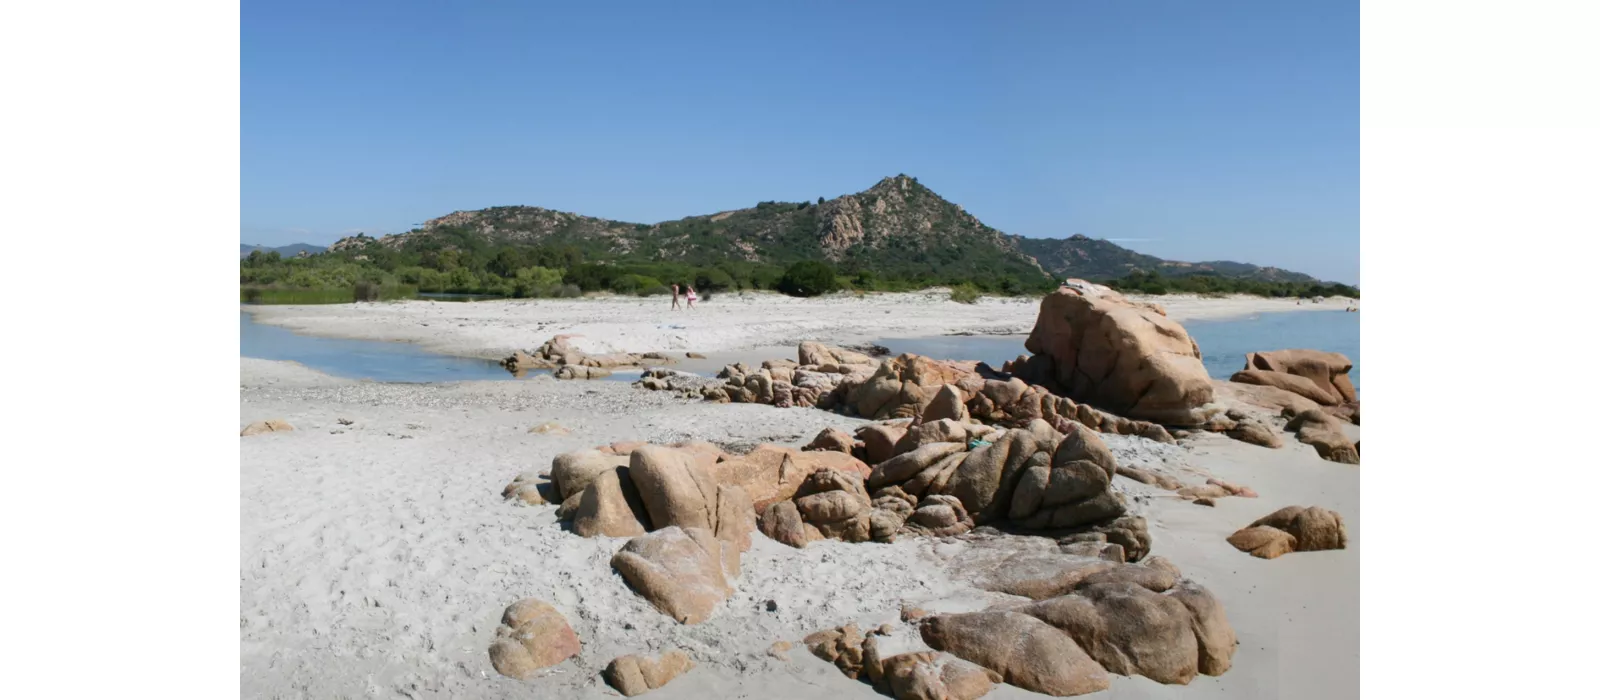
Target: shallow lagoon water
(377, 360)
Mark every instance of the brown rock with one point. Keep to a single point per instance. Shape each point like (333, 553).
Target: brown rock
(1329, 372)
(939, 431)
(780, 650)
(1272, 399)
(1022, 650)
(610, 507)
(947, 404)
(880, 439)
(1120, 356)
(1287, 382)
(675, 489)
(1145, 476)
(1037, 573)
(1313, 528)
(1155, 574)
(987, 476)
(532, 489)
(840, 646)
(532, 635)
(571, 472)
(1255, 433)
(904, 466)
(633, 674)
(832, 439)
(927, 675)
(262, 427)
(1263, 542)
(1216, 637)
(1128, 629)
(1233, 489)
(781, 521)
(682, 572)
(1323, 432)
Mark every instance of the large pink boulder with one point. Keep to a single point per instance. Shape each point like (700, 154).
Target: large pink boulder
(1120, 356)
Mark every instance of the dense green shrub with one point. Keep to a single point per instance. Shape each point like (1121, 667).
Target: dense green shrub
(965, 293)
(808, 278)
(637, 284)
(708, 280)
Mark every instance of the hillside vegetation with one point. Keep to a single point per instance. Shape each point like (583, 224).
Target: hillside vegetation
(897, 235)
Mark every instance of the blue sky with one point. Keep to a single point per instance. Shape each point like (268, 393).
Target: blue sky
(1189, 130)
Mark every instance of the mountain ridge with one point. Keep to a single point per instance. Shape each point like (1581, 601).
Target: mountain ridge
(287, 251)
(896, 228)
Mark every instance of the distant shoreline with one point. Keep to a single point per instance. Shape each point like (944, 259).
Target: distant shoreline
(731, 322)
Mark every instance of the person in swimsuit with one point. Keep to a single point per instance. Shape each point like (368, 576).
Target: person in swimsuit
(674, 297)
(690, 296)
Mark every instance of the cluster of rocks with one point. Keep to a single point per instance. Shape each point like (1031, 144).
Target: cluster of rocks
(1322, 377)
(687, 384)
(1292, 529)
(911, 675)
(533, 636)
(1079, 621)
(567, 362)
(857, 384)
(941, 476)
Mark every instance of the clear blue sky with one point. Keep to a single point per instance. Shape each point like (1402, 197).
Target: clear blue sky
(1189, 130)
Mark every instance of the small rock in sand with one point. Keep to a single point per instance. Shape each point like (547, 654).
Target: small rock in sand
(531, 636)
(551, 428)
(633, 674)
(262, 427)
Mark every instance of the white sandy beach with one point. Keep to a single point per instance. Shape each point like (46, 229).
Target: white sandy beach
(376, 557)
(725, 324)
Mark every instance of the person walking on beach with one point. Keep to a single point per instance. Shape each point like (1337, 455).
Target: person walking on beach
(674, 297)
(690, 296)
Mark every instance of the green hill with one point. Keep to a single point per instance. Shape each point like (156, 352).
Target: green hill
(897, 234)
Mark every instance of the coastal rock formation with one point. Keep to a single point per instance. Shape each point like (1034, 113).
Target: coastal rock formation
(634, 674)
(1292, 529)
(262, 427)
(532, 635)
(943, 477)
(1092, 344)
(936, 479)
(1022, 650)
(907, 386)
(683, 572)
(1316, 428)
(1324, 376)
(1090, 618)
(920, 675)
(568, 362)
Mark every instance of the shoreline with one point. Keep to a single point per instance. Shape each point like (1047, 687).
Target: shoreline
(730, 324)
